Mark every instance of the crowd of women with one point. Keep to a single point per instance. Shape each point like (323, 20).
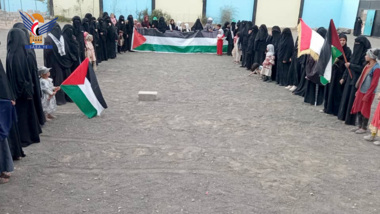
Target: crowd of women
(352, 88)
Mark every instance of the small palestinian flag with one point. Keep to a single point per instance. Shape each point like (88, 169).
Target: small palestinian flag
(331, 50)
(309, 41)
(83, 88)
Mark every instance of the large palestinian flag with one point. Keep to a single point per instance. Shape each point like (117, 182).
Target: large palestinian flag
(309, 41)
(331, 50)
(175, 41)
(83, 88)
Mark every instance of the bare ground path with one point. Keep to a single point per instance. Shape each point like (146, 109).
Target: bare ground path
(217, 141)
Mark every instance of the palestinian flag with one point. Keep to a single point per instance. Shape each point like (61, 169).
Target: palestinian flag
(83, 88)
(175, 41)
(309, 41)
(331, 50)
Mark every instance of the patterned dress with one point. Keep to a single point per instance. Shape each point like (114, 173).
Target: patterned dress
(47, 87)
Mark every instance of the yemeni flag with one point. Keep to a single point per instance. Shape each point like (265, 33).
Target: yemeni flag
(83, 88)
(175, 41)
(309, 41)
(331, 50)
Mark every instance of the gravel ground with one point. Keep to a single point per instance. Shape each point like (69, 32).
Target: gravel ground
(217, 141)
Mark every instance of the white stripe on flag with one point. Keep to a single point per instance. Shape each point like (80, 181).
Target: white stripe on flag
(156, 40)
(328, 71)
(316, 43)
(89, 93)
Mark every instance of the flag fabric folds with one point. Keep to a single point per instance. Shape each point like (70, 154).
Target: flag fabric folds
(309, 41)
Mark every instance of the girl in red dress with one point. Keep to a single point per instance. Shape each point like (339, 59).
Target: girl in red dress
(219, 46)
(366, 86)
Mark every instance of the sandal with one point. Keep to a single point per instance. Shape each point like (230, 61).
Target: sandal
(4, 180)
(5, 175)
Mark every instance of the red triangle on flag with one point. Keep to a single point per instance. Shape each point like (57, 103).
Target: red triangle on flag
(79, 75)
(138, 39)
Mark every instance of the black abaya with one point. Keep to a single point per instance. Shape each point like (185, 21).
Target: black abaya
(285, 52)
(103, 38)
(122, 28)
(274, 39)
(260, 45)
(111, 39)
(78, 33)
(130, 29)
(293, 77)
(358, 27)
(250, 51)
(357, 64)
(21, 85)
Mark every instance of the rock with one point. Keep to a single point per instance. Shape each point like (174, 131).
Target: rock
(193, 200)
(147, 95)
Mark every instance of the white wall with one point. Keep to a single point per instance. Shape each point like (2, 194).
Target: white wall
(71, 8)
(283, 13)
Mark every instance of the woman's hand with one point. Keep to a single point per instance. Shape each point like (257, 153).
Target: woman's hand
(347, 64)
(341, 81)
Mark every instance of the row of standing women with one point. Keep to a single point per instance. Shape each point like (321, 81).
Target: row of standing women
(341, 96)
(22, 114)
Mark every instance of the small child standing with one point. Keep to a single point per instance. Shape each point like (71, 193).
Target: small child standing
(268, 63)
(236, 52)
(49, 104)
(90, 52)
(375, 125)
(219, 45)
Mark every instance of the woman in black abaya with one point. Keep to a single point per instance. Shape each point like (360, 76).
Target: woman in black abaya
(229, 38)
(21, 85)
(260, 45)
(314, 93)
(243, 41)
(356, 65)
(250, 49)
(197, 25)
(274, 39)
(33, 68)
(86, 25)
(161, 25)
(72, 43)
(111, 38)
(358, 27)
(130, 27)
(78, 33)
(334, 90)
(285, 52)
(122, 28)
(59, 59)
(102, 27)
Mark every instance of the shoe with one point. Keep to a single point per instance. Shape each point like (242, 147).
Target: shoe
(361, 131)
(376, 143)
(369, 138)
(354, 129)
(293, 88)
(321, 111)
(288, 87)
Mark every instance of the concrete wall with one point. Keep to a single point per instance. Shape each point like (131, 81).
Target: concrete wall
(317, 13)
(181, 10)
(24, 5)
(243, 10)
(283, 13)
(126, 7)
(71, 8)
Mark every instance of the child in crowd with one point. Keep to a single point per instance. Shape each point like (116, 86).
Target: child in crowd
(255, 69)
(90, 52)
(268, 63)
(219, 46)
(375, 125)
(236, 52)
(120, 41)
(48, 93)
(366, 85)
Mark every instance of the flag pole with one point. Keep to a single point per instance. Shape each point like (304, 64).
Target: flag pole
(345, 59)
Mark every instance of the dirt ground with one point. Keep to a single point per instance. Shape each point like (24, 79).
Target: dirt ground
(217, 141)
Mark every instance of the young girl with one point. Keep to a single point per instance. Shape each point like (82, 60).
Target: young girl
(48, 92)
(375, 125)
(236, 52)
(366, 86)
(268, 63)
(219, 45)
(90, 52)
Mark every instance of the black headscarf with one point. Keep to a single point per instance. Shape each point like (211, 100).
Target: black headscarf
(18, 74)
(86, 24)
(161, 25)
(77, 25)
(233, 26)
(322, 31)
(105, 15)
(197, 25)
(121, 26)
(361, 46)
(263, 33)
(276, 36)
(68, 35)
(226, 25)
(88, 16)
(66, 60)
(251, 39)
(346, 49)
(78, 33)
(286, 45)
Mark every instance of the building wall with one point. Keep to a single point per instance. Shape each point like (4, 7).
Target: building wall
(348, 16)
(126, 7)
(283, 13)
(24, 5)
(241, 11)
(71, 8)
(181, 10)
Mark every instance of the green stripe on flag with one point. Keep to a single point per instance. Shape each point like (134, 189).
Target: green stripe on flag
(335, 53)
(80, 99)
(179, 49)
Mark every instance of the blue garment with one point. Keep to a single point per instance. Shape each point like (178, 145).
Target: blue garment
(368, 79)
(6, 161)
(7, 115)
